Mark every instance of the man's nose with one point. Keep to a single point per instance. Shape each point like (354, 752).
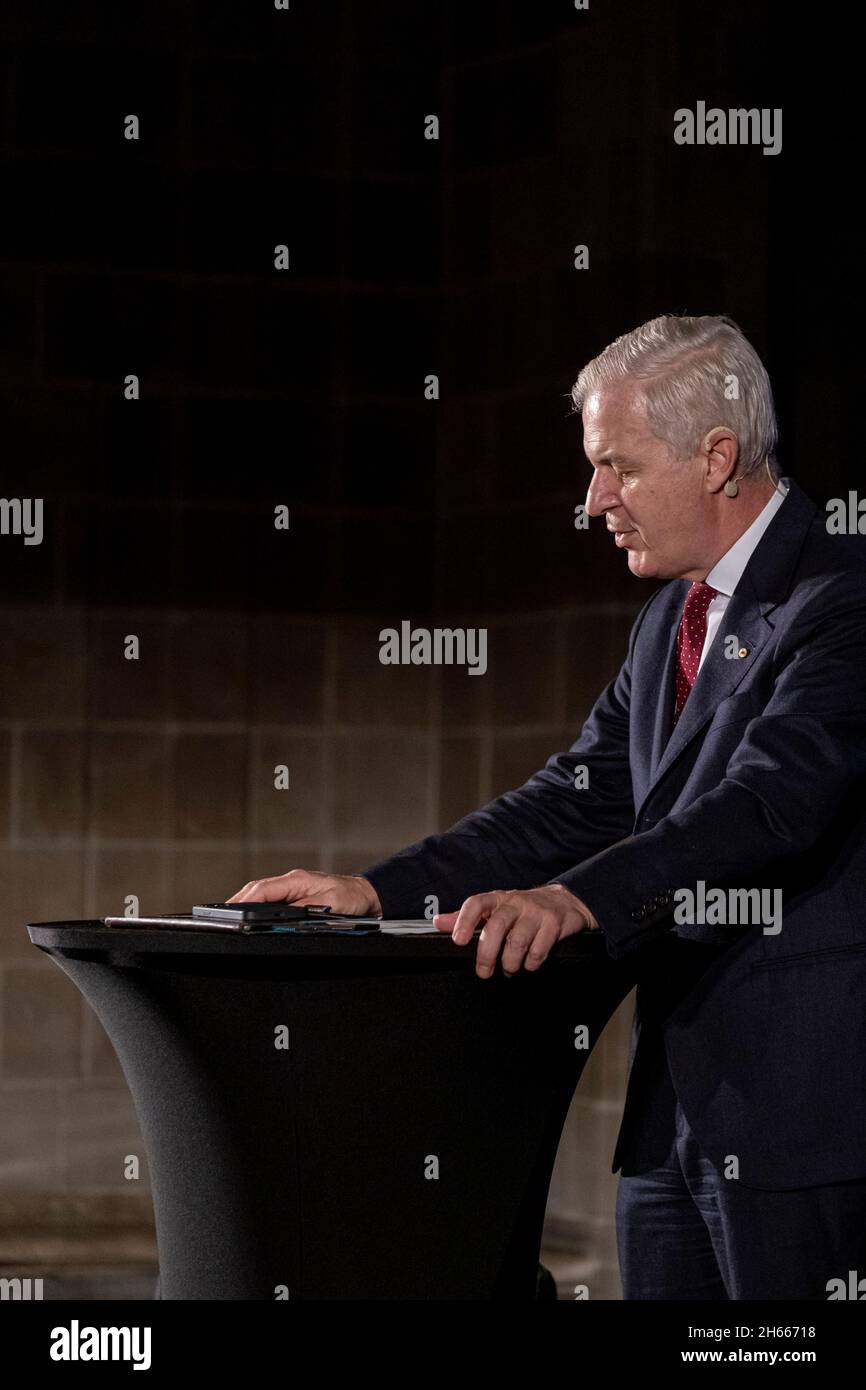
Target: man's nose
(601, 497)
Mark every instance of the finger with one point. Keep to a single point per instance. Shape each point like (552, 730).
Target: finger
(498, 924)
(237, 897)
(255, 892)
(251, 892)
(520, 939)
(543, 943)
(281, 888)
(474, 910)
(444, 921)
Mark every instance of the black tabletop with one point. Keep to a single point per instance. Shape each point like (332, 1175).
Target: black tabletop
(92, 936)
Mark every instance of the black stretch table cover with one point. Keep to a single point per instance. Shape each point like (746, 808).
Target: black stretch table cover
(401, 1147)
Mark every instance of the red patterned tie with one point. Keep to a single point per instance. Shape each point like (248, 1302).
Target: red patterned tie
(690, 640)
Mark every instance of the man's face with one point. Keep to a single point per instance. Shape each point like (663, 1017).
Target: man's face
(656, 506)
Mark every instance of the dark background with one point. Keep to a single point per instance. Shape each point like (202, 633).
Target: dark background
(407, 257)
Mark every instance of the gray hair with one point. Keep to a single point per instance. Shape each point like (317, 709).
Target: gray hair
(697, 373)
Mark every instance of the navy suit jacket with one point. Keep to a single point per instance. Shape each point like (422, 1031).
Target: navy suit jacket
(761, 784)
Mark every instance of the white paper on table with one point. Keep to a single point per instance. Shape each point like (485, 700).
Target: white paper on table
(411, 926)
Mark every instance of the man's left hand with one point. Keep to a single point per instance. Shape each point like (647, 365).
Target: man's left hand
(530, 921)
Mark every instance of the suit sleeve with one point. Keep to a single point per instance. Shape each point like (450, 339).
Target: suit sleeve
(526, 836)
(796, 764)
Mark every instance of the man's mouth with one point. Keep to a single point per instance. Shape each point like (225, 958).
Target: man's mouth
(621, 534)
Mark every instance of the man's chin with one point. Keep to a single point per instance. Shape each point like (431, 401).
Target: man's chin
(641, 564)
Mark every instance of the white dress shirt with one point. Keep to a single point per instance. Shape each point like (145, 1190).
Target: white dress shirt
(726, 573)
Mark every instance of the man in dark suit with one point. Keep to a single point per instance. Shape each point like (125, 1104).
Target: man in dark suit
(716, 834)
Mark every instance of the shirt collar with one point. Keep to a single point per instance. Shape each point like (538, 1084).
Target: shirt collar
(727, 572)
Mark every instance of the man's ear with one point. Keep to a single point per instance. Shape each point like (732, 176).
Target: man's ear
(721, 449)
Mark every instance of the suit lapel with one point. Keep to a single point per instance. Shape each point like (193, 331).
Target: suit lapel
(719, 675)
(763, 585)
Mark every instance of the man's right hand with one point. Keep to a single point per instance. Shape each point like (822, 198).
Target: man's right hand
(346, 893)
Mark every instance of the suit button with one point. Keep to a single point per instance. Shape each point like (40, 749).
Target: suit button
(638, 914)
